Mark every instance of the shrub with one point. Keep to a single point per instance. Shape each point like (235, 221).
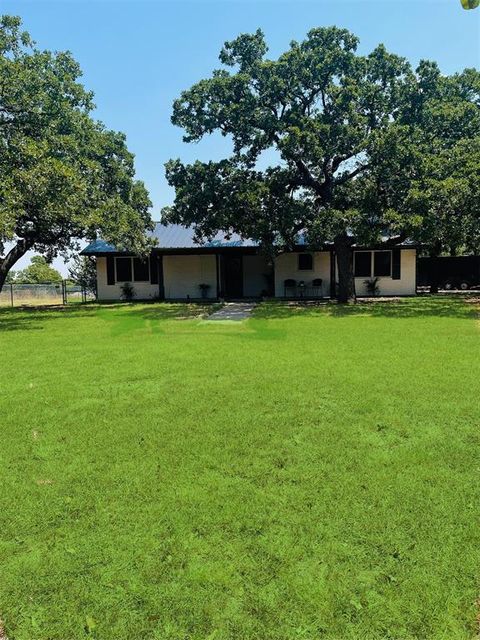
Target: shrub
(204, 289)
(372, 286)
(128, 292)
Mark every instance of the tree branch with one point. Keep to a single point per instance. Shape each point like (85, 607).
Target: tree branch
(15, 253)
(345, 177)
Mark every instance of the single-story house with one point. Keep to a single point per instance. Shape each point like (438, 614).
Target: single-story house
(231, 267)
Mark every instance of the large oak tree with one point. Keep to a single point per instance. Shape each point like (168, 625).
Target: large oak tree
(344, 128)
(63, 175)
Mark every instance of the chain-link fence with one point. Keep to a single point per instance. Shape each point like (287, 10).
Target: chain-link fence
(49, 293)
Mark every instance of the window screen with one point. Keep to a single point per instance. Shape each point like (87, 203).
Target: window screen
(305, 262)
(141, 272)
(124, 269)
(382, 263)
(363, 264)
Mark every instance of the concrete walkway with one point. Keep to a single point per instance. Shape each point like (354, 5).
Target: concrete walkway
(233, 311)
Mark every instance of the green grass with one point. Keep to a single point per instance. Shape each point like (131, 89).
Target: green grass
(312, 473)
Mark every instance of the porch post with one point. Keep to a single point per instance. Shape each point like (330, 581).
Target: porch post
(217, 267)
(161, 284)
(332, 274)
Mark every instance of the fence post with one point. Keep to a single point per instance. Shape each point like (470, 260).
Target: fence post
(11, 293)
(64, 292)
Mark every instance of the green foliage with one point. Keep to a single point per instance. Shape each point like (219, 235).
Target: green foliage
(63, 175)
(128, 291)
(372, 286)
(322, 107)
(310, 473)
(83, 272)
(444, 152)
(354, 135)
(204, 289)
(11, 277)
(38, 272)
(470, 4)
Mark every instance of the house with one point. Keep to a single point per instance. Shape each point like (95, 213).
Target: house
(230, 267)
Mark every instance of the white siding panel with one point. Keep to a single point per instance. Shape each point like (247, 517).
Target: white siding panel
(286, 267)
(182, 275)
(255, 269)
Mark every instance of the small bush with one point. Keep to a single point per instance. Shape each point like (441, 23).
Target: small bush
(372, 286)
(128, 292)
(204, 289)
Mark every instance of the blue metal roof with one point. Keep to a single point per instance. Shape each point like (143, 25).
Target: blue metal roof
(175, 236)
(97, 246)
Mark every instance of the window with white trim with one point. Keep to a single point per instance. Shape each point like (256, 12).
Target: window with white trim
(362, 264)
(376, 263)
(128, 269)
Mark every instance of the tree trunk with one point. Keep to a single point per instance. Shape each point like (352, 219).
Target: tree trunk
(6, 263)
(346, 281)
(3, 276)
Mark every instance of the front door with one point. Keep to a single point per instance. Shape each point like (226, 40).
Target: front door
(233, 273)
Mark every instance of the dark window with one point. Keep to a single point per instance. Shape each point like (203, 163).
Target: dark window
(154, 269)
(363, 264)
(382, 263)
(396, 264)
(141, 272)
(110, 270)
(124, 269)
(305, 262)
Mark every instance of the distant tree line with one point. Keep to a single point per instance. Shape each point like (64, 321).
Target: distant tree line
(37, 272)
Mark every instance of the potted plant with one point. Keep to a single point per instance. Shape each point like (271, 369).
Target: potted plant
(204, 290)
(372, 286)
(128, 292)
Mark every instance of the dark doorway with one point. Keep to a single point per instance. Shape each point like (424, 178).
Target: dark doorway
(233, 276)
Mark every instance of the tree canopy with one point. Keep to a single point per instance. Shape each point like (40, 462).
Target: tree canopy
(83, 271)
(63, 175)
(38, 272)
(470, 4)
(352, 135)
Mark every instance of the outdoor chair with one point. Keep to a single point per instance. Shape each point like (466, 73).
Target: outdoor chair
(289, 284)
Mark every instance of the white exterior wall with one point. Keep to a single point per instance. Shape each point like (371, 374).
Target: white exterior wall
(143, 290)
(286, 267)
(255, 269)
(183, 273)
(407, 284)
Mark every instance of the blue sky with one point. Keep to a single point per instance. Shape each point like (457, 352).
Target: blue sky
(137, 56)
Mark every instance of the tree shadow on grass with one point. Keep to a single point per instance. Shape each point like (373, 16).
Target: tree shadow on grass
(35, 318)
(131, 316)
(170, 310)
(123, 316)
(452, 306)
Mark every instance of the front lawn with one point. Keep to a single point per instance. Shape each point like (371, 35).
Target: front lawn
(311, 473)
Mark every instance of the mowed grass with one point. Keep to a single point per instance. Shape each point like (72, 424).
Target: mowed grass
(311, 473)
